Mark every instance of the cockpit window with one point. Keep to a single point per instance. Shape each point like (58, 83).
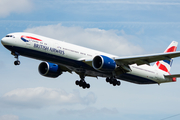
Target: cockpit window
(10, 36)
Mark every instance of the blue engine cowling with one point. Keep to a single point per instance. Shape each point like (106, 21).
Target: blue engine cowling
(49, 69)
(103, 63)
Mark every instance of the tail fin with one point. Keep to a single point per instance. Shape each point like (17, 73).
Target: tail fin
(165, 65)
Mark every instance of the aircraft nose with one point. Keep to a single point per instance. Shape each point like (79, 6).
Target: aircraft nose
(3, 41)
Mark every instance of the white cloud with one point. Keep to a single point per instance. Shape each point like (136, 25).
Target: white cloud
(103, 40)
(14, 6)
(9, 117)
(44, 97)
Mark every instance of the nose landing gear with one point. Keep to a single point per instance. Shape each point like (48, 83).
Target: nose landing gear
(16, 55)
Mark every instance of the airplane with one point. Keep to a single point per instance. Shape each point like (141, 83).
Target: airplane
(59, 57)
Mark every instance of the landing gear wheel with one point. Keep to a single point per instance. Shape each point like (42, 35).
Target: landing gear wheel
(82, 84)
(77, 82)
(87, 85)
(17, 62)
(113, 81)
(118, 83)
(108, 79)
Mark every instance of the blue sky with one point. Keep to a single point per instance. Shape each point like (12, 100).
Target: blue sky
(118, 27)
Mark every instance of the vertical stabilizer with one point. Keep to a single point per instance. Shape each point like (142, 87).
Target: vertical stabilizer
(165, 65)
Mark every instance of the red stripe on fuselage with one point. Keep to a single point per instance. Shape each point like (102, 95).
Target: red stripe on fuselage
(31, 37)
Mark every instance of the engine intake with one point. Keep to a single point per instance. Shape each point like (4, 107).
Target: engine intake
(49, 69)
(103, 63)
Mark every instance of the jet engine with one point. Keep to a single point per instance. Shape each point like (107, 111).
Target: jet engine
(103, 63)
(49, 69)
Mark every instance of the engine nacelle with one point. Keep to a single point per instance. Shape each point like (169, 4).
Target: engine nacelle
(49, 69)
(103, 63)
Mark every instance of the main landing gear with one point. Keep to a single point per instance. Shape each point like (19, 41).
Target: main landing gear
(17, 62)
(113, 81)
(82, 83)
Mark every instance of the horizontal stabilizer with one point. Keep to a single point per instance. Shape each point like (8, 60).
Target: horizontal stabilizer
(171, 76)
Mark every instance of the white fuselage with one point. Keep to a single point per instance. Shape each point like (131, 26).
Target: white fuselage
(74, 57)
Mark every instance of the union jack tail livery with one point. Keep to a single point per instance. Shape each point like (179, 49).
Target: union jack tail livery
(165, 65)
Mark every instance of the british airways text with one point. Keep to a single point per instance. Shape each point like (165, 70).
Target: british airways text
(46, 48)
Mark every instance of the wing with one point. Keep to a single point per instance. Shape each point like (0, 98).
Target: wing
(146, 59)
